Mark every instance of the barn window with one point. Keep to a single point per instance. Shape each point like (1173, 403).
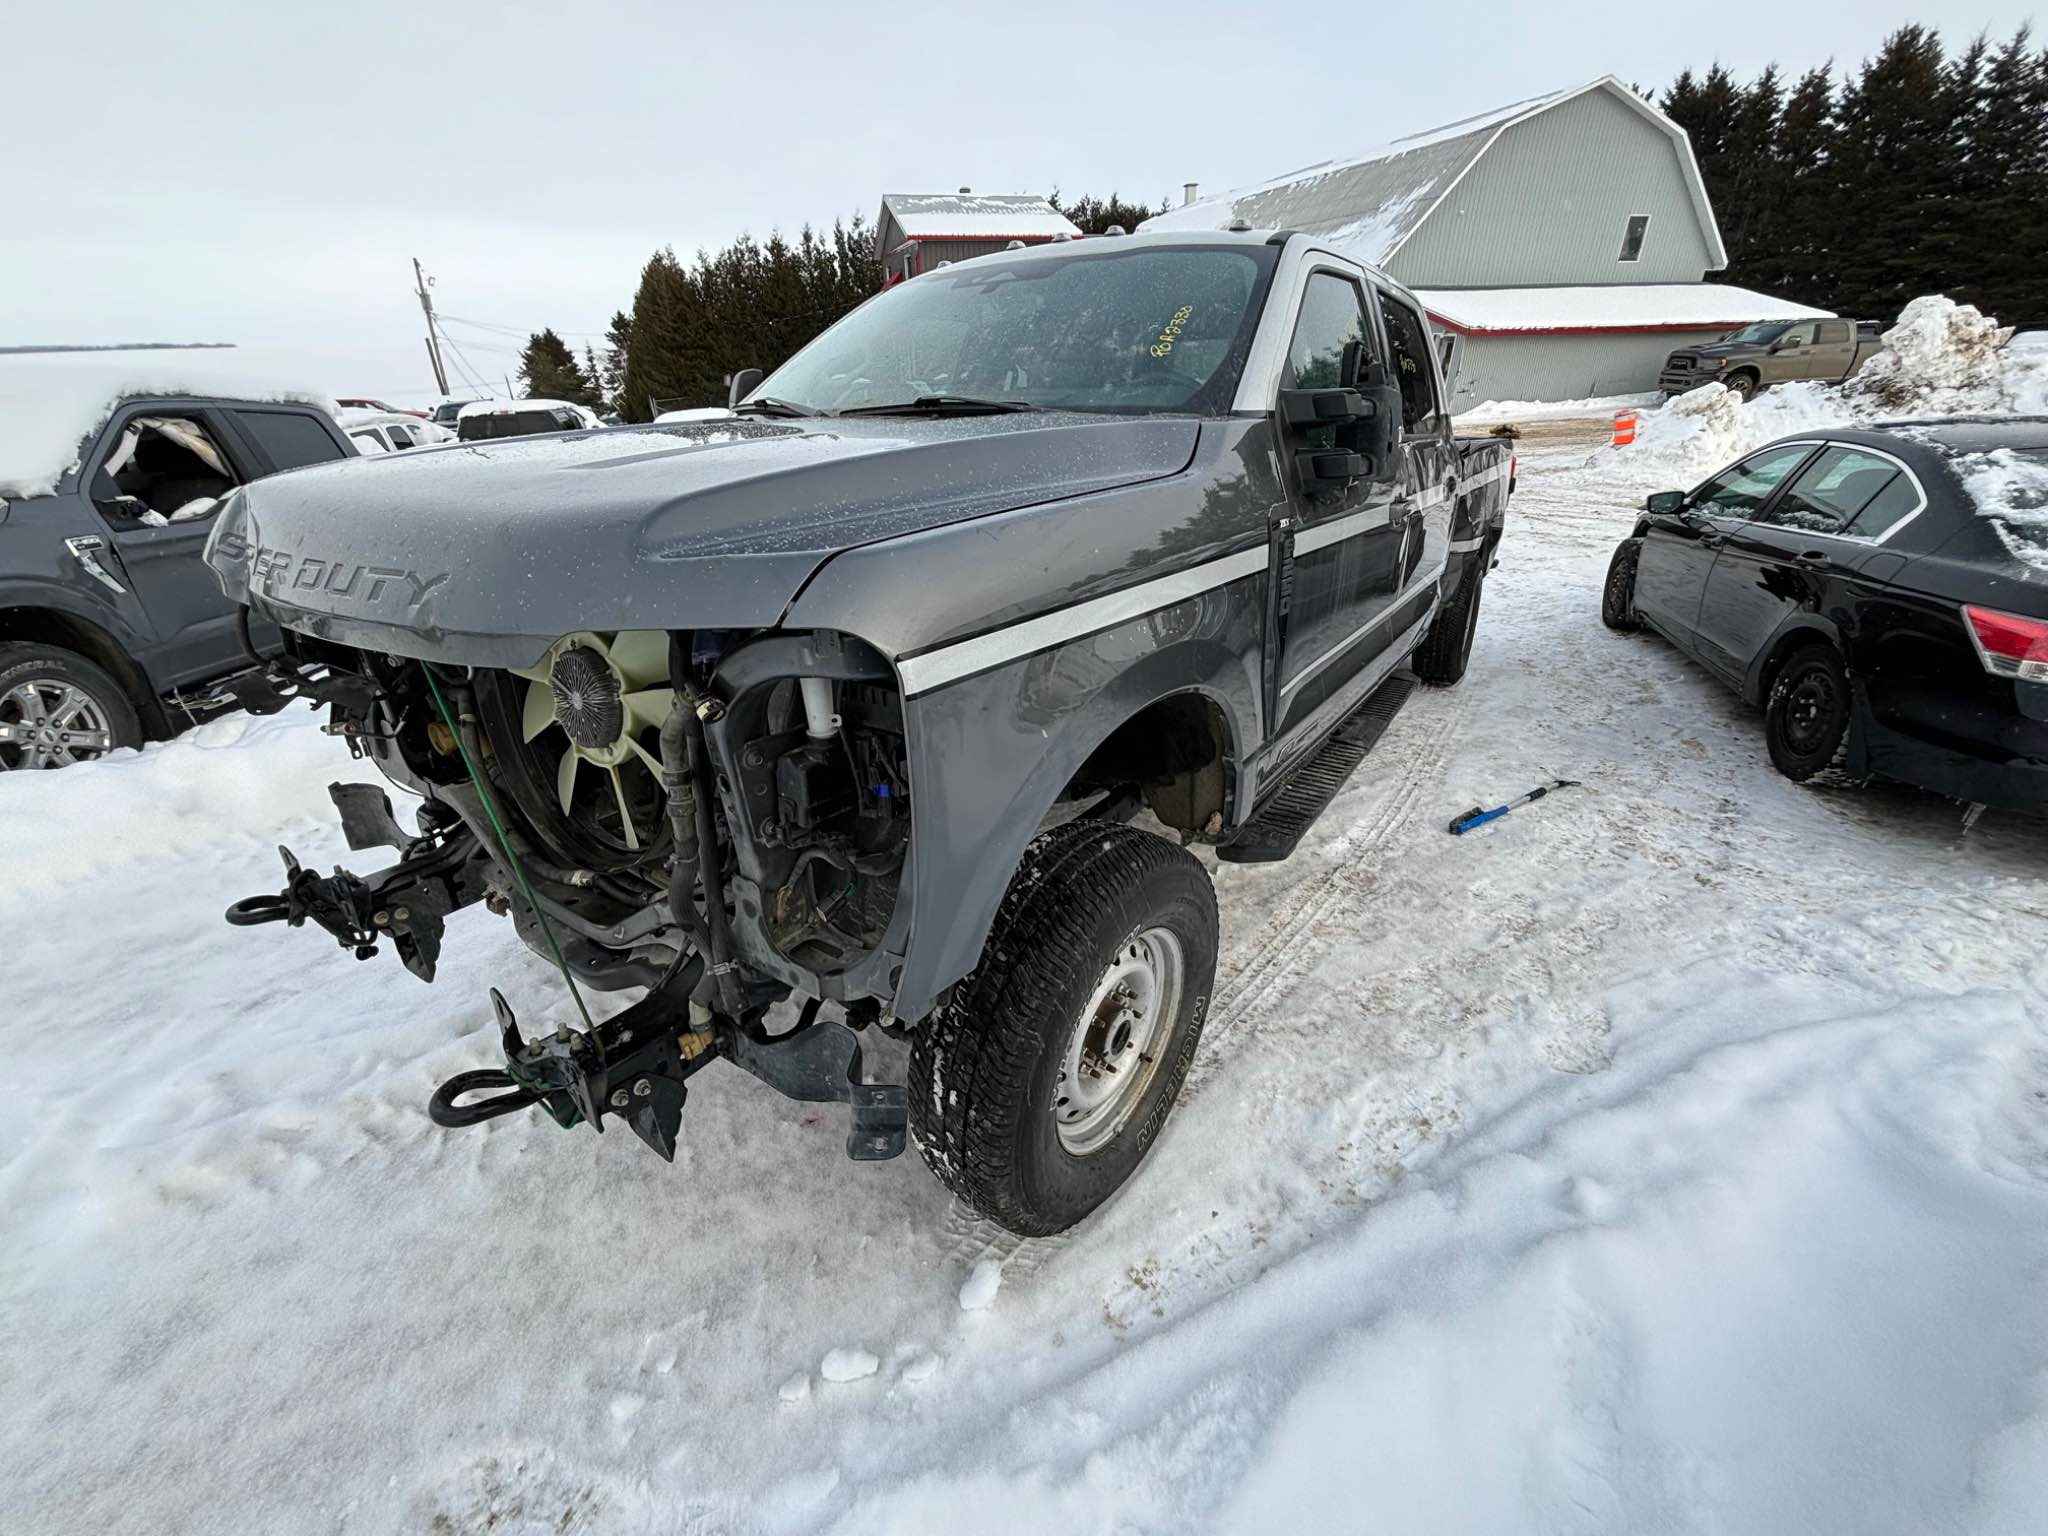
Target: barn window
(1632, 237)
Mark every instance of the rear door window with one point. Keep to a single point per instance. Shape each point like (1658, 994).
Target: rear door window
(1830, 491)
(1899, 500)
(1408, 342)
(290, 439)
(1740, 491)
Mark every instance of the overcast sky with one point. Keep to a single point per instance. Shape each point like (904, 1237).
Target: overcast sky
(264, 173)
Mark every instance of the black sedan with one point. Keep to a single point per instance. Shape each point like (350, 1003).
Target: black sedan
(1882, 594)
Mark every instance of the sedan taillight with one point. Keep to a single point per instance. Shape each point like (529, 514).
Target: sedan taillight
(2009, 645)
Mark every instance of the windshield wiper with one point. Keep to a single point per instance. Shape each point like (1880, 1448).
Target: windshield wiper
(935, 405)
(769, 405)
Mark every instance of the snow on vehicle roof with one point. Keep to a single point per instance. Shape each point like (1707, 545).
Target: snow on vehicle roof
(924, 215)
(511, 407)
(1370, 202)
(694, 413)
(51, 402)
(2009, 489)
(1612, 307)
(353, 416)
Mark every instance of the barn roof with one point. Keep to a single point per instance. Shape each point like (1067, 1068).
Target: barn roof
(1608, 307)
(1370, 203)
(970, 215)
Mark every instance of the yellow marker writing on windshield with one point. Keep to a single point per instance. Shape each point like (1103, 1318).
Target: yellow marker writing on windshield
(1172, 332)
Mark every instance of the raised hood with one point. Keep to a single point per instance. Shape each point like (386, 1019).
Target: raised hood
(485, 552)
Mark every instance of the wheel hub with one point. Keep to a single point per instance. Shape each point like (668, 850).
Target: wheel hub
(48, 723)
(1119, 1041)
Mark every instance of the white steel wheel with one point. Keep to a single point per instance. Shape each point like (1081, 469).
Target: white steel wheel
(1119, 1040)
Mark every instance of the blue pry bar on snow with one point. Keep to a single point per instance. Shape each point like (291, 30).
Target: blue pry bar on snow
(1479, 816)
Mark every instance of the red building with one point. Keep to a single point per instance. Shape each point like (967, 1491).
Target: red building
(918, 230)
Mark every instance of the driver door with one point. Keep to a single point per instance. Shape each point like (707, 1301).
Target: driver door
(1791, 356)
(1340, 549)
(1679, 551)
(155, 470)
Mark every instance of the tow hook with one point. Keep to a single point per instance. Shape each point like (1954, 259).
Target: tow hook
(634, 1067)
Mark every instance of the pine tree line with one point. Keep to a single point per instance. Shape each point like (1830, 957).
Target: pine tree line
(1916, 173)
(750, 305)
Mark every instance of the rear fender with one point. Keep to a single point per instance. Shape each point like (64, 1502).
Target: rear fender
(1797, 630)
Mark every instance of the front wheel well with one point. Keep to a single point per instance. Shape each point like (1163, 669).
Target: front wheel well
(48, 626)
(1177, 751)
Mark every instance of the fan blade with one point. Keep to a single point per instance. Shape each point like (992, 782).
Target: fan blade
(653, 763)
(625, 812)
(565, 779)
(540, 709)
(649, 706)
(641, 655)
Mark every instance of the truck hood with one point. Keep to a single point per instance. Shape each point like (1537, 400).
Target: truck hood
(1719, 349)
(484, 553)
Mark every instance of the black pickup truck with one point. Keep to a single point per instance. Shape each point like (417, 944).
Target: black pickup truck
(853, 700)
(112, 628)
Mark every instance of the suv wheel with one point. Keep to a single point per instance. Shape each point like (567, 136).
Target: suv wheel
(1807, 717)
(57, 708)
(1037, 1088)
(1618, 596)
(1446, 650)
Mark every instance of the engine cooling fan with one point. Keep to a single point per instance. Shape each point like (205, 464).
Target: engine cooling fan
(604, 693)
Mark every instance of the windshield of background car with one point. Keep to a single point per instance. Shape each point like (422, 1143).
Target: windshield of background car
(1762, 331)
(1132, 329)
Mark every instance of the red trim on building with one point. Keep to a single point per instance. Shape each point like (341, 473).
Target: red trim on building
(1587, 330)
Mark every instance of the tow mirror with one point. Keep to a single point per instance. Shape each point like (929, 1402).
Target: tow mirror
(1669, 503)
(741, 385)
(1322, 407)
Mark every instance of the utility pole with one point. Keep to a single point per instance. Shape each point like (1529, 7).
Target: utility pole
(433, 343)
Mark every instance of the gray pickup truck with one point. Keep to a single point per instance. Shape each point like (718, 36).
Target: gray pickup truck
(853, 701)
(1773, 352)
(113, 630)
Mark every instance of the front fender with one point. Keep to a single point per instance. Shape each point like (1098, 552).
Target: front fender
(990, 755)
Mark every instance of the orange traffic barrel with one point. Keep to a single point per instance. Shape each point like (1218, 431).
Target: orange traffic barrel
(1624, 428)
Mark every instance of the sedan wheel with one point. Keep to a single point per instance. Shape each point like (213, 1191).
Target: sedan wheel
(1807, 718)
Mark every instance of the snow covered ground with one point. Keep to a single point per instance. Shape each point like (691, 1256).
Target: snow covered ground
(1672, 1155)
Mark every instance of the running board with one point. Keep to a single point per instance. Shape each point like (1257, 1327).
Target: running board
(1279, 825)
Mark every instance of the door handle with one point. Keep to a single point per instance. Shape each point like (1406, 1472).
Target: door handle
(86, 550)
(1713, 540)
(1813, 556)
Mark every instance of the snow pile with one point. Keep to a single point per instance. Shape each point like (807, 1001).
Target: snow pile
(51, 402)
(2011, 490)
(1941, 359)
(1488, 412)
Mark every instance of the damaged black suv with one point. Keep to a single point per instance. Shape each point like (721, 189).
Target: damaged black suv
(851, 702)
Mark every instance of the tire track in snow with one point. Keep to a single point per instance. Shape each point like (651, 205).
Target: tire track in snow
(1269, 970)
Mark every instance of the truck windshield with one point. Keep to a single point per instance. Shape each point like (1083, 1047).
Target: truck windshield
(1108, 327)
(1760, 332)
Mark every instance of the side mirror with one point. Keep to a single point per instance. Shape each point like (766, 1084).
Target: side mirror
(1322, 407)
(1669, 503)
(741, 385)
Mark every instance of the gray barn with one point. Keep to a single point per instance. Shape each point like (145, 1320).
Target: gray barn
(1562, 241)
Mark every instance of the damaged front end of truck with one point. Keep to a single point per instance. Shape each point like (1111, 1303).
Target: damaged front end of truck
(718, 815)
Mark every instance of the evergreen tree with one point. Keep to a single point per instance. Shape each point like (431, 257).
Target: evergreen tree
(1898, 155)
(549, 371)
(611, 377)
(1094, 215)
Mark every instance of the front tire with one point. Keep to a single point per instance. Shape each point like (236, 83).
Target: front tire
(1743, 386)
(1446, 650)
(57, 708)
(1038, 1087)
(1806, 720)
(1618, 596)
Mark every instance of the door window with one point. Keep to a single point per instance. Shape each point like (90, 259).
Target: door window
(1798, 336)
(1833, 332)
(1830, 491)
(162, 470)
(1738, 492)
(290, 438)
(1408, 343)
(1329, 346)
(1899, 500)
